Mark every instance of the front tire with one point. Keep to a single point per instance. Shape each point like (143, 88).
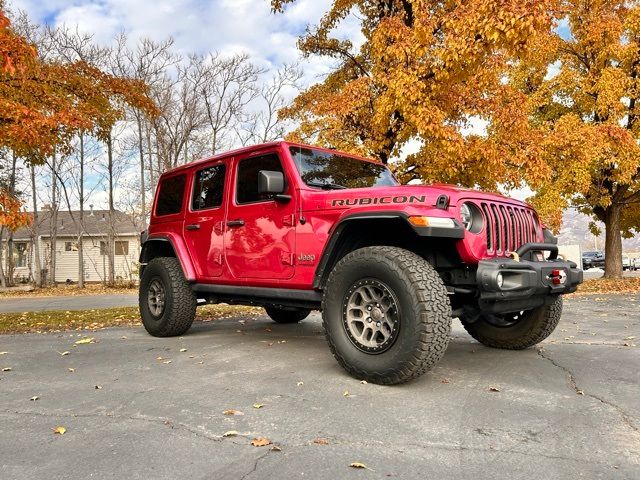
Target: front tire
(281, 315)
(526, 330)
(386, 315)
(167, 303)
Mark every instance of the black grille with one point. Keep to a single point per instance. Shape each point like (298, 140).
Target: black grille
(508, 227)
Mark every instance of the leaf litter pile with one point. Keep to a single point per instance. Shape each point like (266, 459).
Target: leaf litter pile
(56, 321)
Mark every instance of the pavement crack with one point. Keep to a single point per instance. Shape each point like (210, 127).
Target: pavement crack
(136, 418)
(571, 381)
(255, 465)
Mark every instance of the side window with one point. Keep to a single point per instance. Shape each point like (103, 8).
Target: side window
(171, 195)
(208, 189)
(247, 185)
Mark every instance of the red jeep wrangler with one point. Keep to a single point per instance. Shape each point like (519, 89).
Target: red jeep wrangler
(296, 228)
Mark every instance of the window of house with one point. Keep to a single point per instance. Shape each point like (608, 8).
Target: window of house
(20, 254)
(208, 187)
(122, 247)
(70, 247)
(248, 169)
(171, 195)
(104, 251)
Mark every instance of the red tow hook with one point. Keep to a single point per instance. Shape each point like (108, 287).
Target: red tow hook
(558, 277)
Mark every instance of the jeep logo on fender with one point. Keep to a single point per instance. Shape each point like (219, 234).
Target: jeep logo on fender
(350, 202)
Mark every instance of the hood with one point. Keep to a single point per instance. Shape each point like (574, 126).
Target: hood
(413, 194)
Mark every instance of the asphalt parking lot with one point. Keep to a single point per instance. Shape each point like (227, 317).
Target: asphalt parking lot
(138, 407)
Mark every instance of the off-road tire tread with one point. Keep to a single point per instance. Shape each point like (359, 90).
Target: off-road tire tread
(543, 321)
(280, 315)
(429, 299)
(182, 309)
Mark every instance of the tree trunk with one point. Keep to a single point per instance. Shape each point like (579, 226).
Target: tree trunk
(81, 229)
(35, 240)
(150, 157)
(3, 278)
(53, 238)
(110, 241)
(12, 191)
(613, 242)
(143, 190)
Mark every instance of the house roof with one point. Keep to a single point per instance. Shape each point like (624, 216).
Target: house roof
(95, 223)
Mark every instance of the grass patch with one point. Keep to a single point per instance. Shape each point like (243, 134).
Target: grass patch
(608, 286)
(64, 290)
(57, 321)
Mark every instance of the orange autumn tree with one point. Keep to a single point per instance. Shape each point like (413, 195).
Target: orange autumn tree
(425, 69)
(11, 216)
(44, 104)
(578, 97)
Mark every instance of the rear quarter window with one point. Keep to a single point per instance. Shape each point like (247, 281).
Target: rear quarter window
(171, 195)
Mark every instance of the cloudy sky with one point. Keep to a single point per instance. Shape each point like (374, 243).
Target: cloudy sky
(198, 26)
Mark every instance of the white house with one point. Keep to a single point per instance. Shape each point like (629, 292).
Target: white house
(96, 227)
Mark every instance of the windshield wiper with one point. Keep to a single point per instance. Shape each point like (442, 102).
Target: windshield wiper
(326, 186)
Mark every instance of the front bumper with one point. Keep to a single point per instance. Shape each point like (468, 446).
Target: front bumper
(507, 285)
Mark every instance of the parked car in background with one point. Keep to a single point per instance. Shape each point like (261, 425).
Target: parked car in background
(593, 259)
(626, 263)
(635, 263)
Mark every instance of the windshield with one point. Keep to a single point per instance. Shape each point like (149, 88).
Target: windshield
(334, 171)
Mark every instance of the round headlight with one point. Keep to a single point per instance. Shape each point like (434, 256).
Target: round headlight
(471, 217)
(500, 280)
(466, 216)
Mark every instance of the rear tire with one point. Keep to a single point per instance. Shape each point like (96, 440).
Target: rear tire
(410, 315)
(532, 328)
(281, 315)
(167, 303)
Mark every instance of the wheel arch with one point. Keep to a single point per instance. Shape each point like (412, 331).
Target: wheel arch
(436, 245)
(167, 246)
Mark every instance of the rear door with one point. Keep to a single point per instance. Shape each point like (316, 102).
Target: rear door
(204, 219)
(260, 237)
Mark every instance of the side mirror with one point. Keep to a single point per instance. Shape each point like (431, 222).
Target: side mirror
(272, 183)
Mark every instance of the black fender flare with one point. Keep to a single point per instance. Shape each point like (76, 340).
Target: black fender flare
(455, 233)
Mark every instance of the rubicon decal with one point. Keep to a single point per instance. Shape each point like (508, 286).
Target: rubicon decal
(350, 202)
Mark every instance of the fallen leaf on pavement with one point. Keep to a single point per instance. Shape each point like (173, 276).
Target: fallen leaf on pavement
(59, 430)
(300, 384)
(579, 392)
(363, 382)
(3, 353)
(357, 465)
(230, 433)
(275, 448)
(71, 369)
(232, 412)
(494, 389)
(64, 354)
(98, 387)
(6, 369)
(183, 350)
(33, 399)
(167, 362)
(346, 393)
(84, 341)
(321, 441)
(444, 380)
(260, 442)
(258, 405)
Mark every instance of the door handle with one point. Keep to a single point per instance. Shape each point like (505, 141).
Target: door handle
(193, 226)
(235, 223)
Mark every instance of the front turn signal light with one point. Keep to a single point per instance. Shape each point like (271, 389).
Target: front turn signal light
(438, 222)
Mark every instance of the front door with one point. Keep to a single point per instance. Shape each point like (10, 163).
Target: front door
(204, 220)
(260, 235)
